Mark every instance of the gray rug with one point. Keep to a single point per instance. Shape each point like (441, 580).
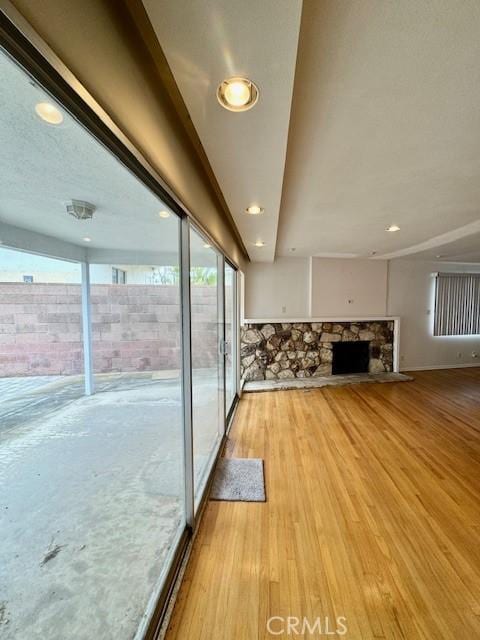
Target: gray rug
(239, 480)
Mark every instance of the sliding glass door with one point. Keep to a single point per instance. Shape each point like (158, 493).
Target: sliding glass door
(117, 370)
(91, 475)
(206, 288)
(230, 337)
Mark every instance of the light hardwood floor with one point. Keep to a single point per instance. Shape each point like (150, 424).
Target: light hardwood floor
(373, 514)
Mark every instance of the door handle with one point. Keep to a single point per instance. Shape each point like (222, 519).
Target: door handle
(224, 348)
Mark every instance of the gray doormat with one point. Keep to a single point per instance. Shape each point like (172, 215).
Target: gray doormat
(239, 480)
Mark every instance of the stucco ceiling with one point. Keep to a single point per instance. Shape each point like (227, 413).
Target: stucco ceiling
(42, 167)
(383, 129)
(207, 41)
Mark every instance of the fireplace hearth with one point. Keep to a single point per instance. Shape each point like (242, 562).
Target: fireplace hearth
(350, 357)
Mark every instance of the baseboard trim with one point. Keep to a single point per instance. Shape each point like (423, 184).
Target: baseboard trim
(434, 367)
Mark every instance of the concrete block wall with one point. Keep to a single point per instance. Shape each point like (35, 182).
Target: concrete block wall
(135, 328)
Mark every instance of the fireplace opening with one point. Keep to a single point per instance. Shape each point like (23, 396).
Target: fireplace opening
(350, 357)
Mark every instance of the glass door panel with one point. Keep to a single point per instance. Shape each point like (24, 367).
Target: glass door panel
(230, 337)
(91, 486)
(206, 283)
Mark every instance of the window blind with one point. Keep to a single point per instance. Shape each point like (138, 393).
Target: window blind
(457, 304)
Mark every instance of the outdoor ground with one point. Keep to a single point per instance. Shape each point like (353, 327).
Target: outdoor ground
(91, 495)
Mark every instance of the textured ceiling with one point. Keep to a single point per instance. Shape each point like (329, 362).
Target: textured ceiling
(207, 41)
(43, 166)
(383, 128)
(384, 125)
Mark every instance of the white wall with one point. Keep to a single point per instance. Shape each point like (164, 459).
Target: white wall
(277, 289)
(410, 296)
(349, 287)
(402, 288)
(16, 264)
(282, 289)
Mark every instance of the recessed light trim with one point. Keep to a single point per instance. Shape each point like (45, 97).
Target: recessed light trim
(237, 94)
(259, 243)
(254, 210)
(207, 246)
(164, 214)
(392, 228)
(49, 113)
(87, 239)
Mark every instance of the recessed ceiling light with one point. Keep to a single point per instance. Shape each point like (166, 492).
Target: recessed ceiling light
(87, 239)
(207, 246)
(237, 94)
(259, 243)
(49, 113)
(164, 214)
(392, 228)
(254, 210)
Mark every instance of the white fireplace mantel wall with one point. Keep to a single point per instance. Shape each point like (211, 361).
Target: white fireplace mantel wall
(304, 287)
(283, 291)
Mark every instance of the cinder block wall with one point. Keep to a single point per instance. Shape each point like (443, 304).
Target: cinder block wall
(135, 328)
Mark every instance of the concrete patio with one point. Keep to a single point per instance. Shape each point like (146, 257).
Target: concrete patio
(91, 500)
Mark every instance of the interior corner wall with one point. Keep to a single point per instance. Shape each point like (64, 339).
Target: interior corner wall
(411, 296)
(278, 289)
(98, 42)
(345, 288)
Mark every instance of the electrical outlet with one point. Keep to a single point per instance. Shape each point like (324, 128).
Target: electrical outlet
(284, 309)
(459, 354)
(474, 354)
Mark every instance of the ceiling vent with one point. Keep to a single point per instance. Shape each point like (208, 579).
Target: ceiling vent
(80, 210)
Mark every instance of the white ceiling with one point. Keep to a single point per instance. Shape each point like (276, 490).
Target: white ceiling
(42, 167)
(207, 41)
(384, 124)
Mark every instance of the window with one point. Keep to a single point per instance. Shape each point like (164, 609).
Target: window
(99, 383)
(119, 276)
(457, 304)
(206, 269)
(91, 414)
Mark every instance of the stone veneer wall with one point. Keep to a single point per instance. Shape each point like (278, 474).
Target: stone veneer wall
(304, 349)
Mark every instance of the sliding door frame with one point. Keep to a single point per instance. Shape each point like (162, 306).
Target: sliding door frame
(20, 42)
(186, 346)
(220, 262)
(229, 411)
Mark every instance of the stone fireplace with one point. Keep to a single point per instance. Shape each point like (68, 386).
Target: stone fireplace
(282, 350)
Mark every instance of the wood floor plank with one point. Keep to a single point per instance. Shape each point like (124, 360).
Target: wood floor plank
(372, 513)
